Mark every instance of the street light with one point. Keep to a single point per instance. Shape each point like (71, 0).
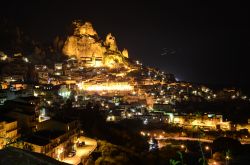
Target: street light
(228, 154)
(207, 148)
(182, 146)
(227, 159)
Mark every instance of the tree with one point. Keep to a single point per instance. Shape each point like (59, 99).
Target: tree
(224, 144)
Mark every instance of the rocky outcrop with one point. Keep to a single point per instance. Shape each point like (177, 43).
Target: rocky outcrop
(89, 50)
(110, 42)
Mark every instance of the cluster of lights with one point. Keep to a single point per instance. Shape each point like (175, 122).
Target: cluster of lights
(65, 94)
(160, 136)
(4, 57)
(25, 59)
(111, 118)
(106, 87)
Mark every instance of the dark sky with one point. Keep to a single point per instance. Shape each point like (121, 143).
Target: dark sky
(197, 42)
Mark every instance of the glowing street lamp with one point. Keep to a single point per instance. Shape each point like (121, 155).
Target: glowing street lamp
(228, 156)
(142, 133)
(160, 136)
(207, 148)
(227, 159)
(182, 146)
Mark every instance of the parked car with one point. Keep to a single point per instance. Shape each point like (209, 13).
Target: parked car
(72, 153)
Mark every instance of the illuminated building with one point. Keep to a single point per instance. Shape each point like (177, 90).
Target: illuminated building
(112, 86)
(50, 143)
(3, 56)
(42, 73)
(58, 66)
(40, 67)
(54, 138)
(13, 78)
(43, 116)
(8, 131)
(210, 121)
(64, 92)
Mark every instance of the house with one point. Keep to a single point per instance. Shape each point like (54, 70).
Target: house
(54, 138)
(8, 131)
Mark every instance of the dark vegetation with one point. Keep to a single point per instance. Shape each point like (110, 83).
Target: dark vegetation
(14, 40)
(233, 110)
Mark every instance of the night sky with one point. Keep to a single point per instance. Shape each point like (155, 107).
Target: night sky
(207, 43)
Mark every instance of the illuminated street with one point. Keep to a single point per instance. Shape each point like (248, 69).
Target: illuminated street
(185, 138)
(82, 152)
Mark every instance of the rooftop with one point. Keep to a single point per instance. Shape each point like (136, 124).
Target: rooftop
(64, 120)
(6, 119)
(37, 141)
(47, 134)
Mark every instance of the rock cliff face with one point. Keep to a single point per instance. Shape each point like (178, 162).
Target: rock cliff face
(90, 51)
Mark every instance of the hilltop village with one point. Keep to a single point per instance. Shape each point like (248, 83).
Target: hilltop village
(45, 107)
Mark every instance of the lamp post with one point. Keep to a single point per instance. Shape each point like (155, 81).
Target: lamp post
(228, 157)
(183, 147)
(227, 160)
(207, 148)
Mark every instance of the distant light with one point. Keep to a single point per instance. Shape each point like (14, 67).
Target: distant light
(25, 59)
(142, 133)
(119, 86)
(244, 97)
(145, 122)
(4, 57)
(35, 94)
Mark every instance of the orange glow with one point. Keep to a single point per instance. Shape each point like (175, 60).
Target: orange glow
(114, 86)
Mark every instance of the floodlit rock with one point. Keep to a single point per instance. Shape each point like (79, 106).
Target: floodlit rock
(110, 42)
(125, 53)
(89, 50)
(84, 29)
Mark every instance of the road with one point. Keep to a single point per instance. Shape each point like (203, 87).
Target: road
(243, 141)
(82, 152)
(185, 138)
